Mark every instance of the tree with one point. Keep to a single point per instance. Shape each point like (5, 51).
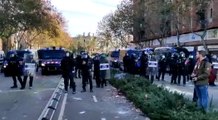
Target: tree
(23, 15)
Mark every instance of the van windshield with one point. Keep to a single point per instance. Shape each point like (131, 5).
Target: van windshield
(51, 54)
(115, 54)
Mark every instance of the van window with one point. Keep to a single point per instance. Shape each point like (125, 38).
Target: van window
(115, 54)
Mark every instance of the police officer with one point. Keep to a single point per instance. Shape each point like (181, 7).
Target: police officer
(143, 64)
(174, 67)
(96, 61)
(15, 67)
(67, 66)
(86, 72)
(29, 71)
(162, 67)
(103, 73)
(78, 66)
(126, 61)
(153, 70)
(181, 68)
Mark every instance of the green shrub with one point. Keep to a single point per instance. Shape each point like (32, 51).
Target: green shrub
(157, 102)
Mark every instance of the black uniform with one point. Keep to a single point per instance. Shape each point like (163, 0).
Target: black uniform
(174, 68)
(78, 66)
(67, 66)
(181, 70)
(16, 70)
(126, 62)
(97, 71)
(162, 68)
(86, 72)
(143, 64)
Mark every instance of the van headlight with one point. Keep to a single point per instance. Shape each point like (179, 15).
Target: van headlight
(43, 64)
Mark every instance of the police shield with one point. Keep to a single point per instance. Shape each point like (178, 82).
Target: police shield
(29, 65)
(105, 67)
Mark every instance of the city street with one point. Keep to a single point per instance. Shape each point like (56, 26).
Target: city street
(39, 103)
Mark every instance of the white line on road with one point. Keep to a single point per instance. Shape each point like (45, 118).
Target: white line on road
(60, 117)
(103, 118)
(95, 99)
(45, 110)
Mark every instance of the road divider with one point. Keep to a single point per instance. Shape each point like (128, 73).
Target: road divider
(51, 106)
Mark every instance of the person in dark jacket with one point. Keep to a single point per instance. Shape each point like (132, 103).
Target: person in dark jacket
(143, 64)
(181, 69)
(78, 66)
(174, 67)
(126, 62)
(97, 70)
(162, 67)
(67, 67)
(15, 67)
(86, 72)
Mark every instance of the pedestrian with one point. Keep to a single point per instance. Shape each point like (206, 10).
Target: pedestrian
(97, 70)
(67, 67)
(29, 70)
(86, 72)
(15, 67)
(212, 77)
(200, 76)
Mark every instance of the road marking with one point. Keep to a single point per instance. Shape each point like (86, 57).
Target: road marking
(45, 110)
(103, 118)
(95, 99)
(60, 117)
(82, 112)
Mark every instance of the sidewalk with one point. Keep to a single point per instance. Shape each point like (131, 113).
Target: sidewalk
(187, 90)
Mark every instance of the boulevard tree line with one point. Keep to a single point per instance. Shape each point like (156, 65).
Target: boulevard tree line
(34, 22)
(154, 19)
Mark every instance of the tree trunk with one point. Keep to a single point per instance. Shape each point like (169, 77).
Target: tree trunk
(6, 44)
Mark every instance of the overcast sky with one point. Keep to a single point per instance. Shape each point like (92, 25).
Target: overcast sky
(83, 15)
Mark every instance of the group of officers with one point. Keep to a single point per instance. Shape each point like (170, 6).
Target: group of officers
(71, 67)
(18, 68)
(81, 66)
(153, 66)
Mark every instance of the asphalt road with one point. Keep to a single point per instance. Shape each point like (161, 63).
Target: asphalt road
(35, 104)
(27, 104)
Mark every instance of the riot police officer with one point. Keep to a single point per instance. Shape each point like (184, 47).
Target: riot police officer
(126, 61)
(96, 61)
(153, 70)
(144, 64)
(162, 67)
(78, 66)
(15, 67)
(29, 70)
(174, 67)
(67, 67)
(86, 72)
(181, 68)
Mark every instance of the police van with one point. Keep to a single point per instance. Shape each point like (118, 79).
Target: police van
(50, 59)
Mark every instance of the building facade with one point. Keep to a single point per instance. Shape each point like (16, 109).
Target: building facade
(189, 33)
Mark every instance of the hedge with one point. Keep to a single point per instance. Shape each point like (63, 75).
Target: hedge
(157, 102)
